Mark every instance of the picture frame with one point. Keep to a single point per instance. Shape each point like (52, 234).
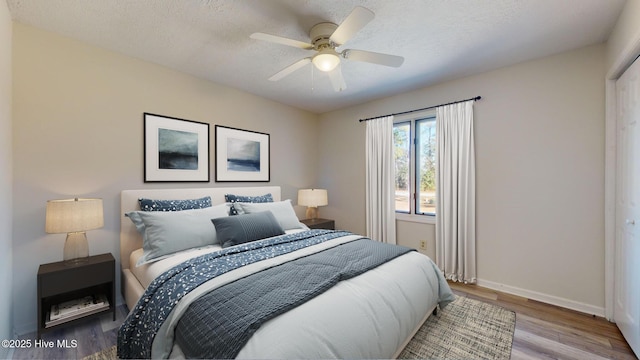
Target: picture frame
(242, 155)
(175, 150)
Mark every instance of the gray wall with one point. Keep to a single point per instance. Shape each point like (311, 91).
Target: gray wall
(6, 167)
(539, 133)
(78, 132)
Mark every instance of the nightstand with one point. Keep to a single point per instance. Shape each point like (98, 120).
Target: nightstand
(319, 223)
(63, 281)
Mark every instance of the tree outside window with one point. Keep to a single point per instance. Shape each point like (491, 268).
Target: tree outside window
(415, 166)
(402, 149)
(426, 164)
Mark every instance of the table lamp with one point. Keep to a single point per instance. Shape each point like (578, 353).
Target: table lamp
(74, 217)
(312, 198)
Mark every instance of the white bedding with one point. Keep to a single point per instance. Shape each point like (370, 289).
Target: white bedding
(372, 315)
(336, 322)
(317, 329)
(147, 272)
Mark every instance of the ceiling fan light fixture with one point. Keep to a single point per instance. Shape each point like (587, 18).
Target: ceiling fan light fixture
(326, 60)
(325, 37)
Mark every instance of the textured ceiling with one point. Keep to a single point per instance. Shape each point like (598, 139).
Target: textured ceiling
(440, 40)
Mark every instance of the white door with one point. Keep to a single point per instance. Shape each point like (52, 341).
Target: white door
(627, 276)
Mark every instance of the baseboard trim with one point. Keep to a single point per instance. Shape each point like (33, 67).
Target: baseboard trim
(545, 298)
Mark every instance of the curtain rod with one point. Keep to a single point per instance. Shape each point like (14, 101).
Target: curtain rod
(427, 108)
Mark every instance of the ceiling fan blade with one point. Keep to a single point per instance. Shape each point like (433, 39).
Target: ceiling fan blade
(373, 57)
(337, 80)
(281, 40)
(289, 69)
(358, 18)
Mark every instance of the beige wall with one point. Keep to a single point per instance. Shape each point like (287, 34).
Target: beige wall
(539, 133)
(623, 47)
(625, 37)
(6, 160)
(78, 132)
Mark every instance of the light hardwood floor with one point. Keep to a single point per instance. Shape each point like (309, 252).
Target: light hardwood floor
(91, 336)
(545, 331)
(542, 332)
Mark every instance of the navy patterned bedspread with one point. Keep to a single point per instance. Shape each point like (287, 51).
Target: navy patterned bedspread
(219, 324)
(135, 336)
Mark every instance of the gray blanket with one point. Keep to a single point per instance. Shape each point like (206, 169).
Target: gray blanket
(139, 329)
(220, 323)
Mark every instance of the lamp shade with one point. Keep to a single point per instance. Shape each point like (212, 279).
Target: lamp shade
(73, 215)
(312, 197)
(326, 60)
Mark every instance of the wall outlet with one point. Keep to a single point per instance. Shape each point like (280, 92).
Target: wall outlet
(423, 244)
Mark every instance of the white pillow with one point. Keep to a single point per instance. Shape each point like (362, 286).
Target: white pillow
(164, 233)
(282, 210)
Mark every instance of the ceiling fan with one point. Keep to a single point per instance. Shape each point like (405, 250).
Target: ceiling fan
(325, 38)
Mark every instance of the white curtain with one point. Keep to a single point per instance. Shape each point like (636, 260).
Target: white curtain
(380, 187)
(456, 193)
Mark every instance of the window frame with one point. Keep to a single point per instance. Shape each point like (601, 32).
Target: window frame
(412, 118)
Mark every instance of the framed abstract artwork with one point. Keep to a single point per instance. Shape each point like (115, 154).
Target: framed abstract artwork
(175, 150)
(241, 155)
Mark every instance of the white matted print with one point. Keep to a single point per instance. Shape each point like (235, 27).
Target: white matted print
(175, 150)
(241, 155)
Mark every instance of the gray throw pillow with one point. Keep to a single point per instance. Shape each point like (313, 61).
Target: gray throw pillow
(240, 229)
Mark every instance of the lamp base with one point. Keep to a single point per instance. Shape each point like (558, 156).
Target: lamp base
(312, 212)
(76, 247)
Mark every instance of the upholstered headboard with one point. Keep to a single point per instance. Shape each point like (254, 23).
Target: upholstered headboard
(131, 240)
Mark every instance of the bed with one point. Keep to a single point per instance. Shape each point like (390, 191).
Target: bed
(298, 294)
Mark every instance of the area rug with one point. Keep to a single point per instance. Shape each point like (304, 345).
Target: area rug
(106, 354)
(465, 329)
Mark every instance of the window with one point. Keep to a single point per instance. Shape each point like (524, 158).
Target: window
(415, 160)
(402, 150)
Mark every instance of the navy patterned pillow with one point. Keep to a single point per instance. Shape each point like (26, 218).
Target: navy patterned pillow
(230, 198)
(174, 205)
